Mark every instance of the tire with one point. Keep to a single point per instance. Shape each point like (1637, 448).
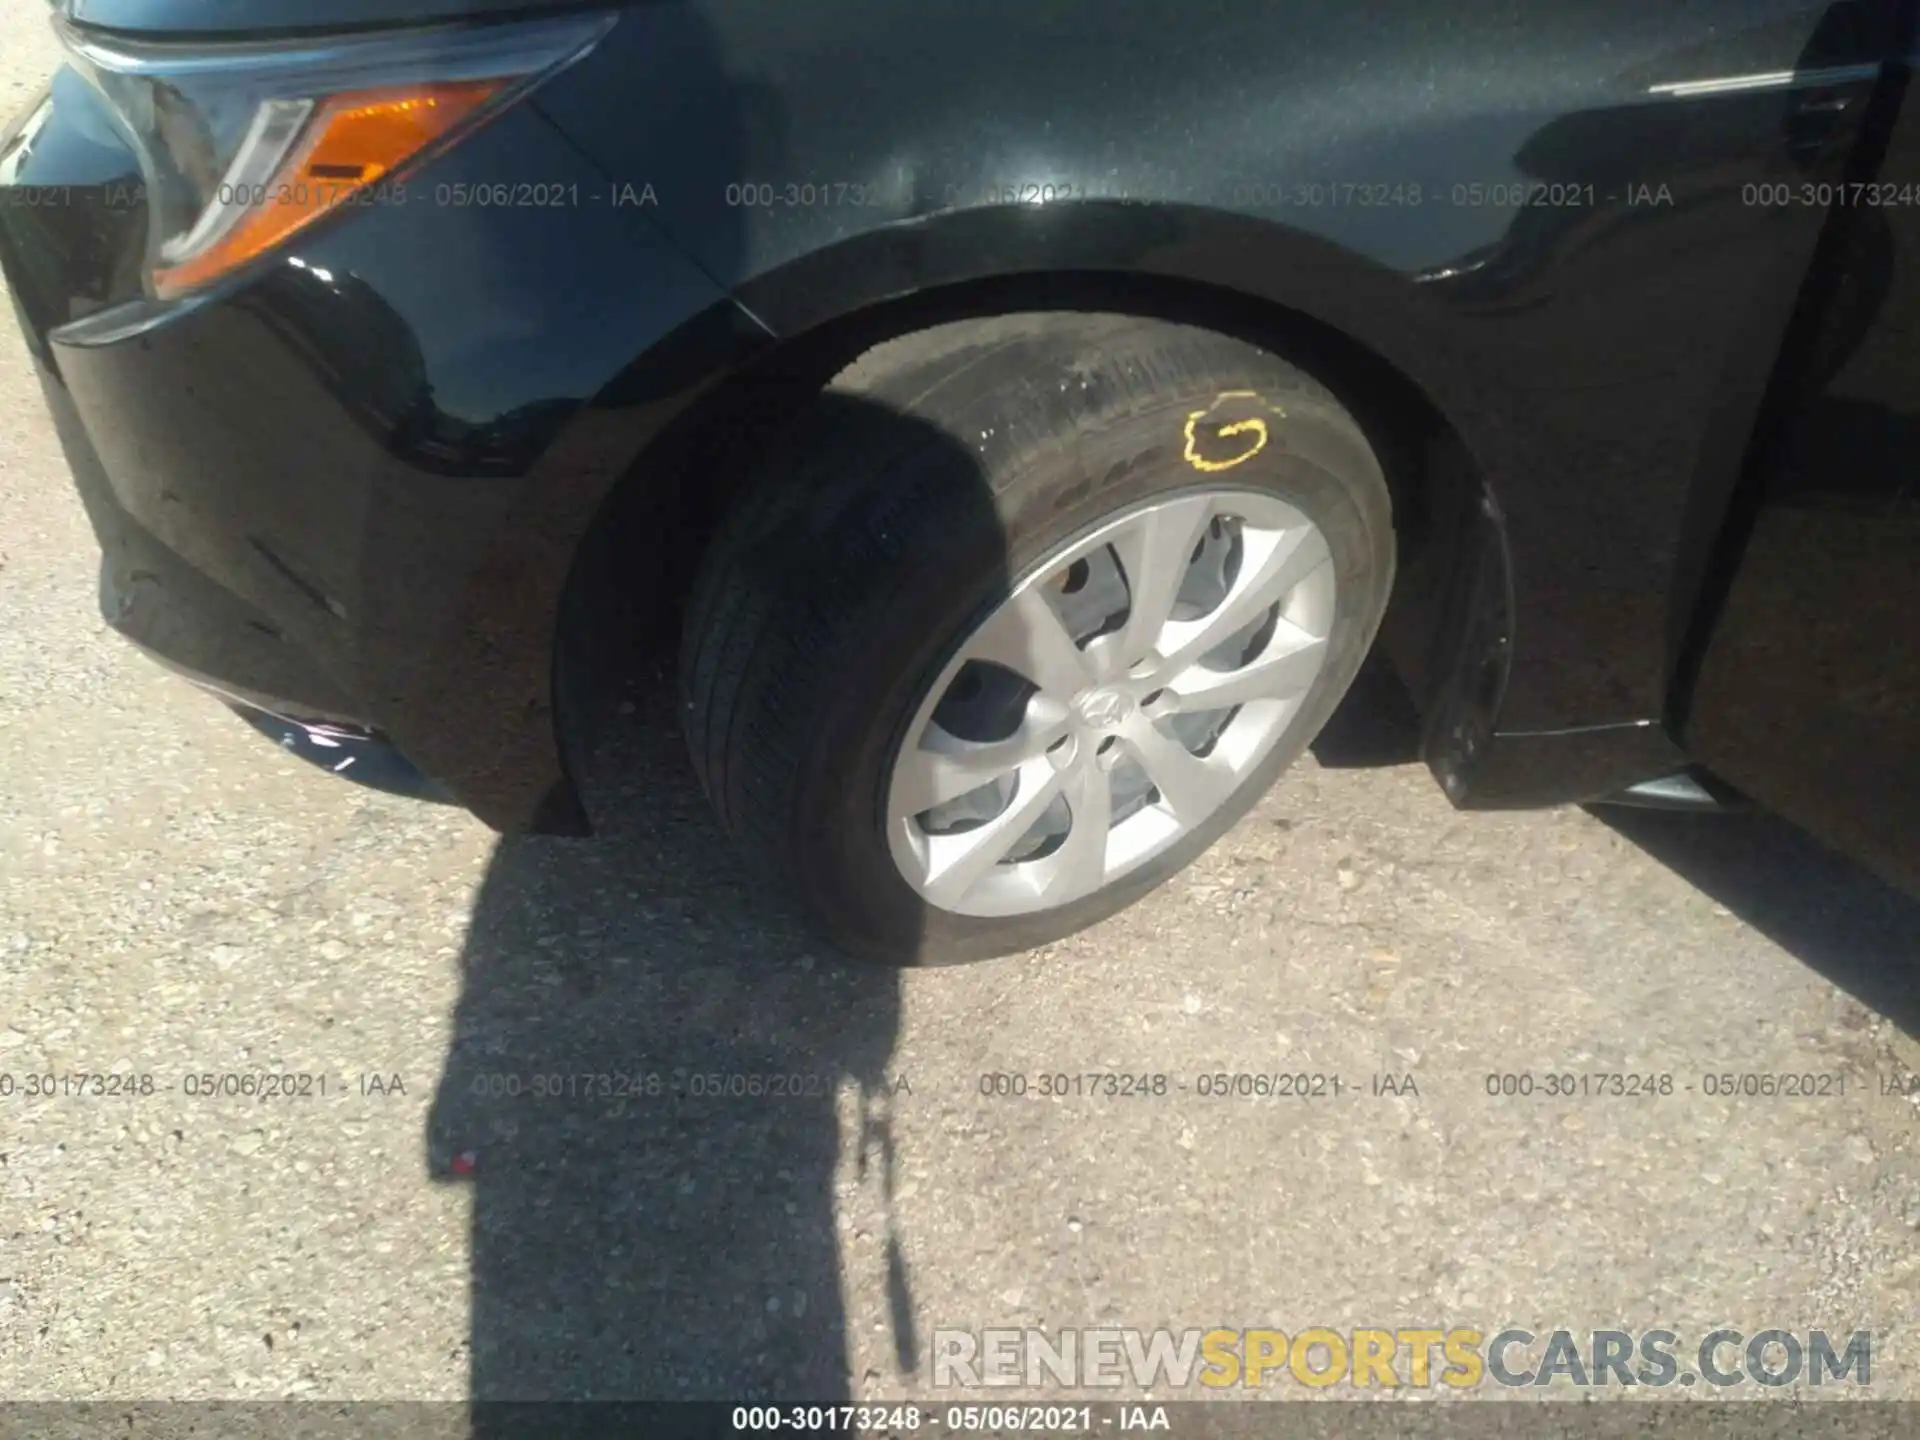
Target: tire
(892, 519)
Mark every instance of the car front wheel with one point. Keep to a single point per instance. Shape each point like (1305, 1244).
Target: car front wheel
(1023, 615)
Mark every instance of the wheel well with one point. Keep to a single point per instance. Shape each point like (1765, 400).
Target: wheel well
(619, 627)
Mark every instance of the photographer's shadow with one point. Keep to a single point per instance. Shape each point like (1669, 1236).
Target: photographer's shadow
(647, 1086)
(1820, 906)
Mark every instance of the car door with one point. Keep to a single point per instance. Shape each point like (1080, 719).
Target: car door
(1807, 692)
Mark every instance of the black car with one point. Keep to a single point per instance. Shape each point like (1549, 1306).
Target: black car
(1029, 417)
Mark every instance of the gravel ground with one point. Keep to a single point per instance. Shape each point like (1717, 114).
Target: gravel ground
(177, 899)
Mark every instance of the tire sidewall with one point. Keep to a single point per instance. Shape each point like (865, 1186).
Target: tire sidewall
(1044, 500)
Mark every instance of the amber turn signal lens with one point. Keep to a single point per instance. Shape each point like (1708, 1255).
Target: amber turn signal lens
(353, 140)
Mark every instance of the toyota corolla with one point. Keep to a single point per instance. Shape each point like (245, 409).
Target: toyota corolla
(1010, 426)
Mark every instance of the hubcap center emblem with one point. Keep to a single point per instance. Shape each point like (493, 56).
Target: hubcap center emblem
(1102, 708)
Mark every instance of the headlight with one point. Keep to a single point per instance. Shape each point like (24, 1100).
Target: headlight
(243, 146)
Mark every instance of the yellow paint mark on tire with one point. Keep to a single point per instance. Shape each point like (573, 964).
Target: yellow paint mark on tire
(1255, 427)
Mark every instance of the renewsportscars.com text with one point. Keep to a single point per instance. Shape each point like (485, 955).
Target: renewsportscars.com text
(1458, 1357)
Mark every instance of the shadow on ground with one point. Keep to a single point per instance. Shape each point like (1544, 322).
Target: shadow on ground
(1840, 919)
(662, 1085)
(641, 1229)
(1833, 914)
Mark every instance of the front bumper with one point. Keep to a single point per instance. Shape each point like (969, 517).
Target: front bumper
(363, 756)
(168, 626)
(346, 491)
(186, 621)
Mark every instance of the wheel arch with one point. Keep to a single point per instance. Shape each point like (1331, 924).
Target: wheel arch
(618, 621)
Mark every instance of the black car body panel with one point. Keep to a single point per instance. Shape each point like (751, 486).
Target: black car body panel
(228, 18)
(379, 528)
(1579, 347)
(359, 480)
(1810, 648)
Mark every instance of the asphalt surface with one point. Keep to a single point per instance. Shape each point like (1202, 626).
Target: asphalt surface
(178, 900)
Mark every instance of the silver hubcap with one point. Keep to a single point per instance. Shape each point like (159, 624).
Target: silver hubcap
(1115, 700)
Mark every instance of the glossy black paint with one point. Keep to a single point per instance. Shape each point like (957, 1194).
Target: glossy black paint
(320, 487)
(1577, 349)
(363, 756)
(1809, 675)
(360, 479)
(255, 17)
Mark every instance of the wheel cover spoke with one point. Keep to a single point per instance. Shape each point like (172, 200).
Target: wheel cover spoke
(1192, 788)
(1275, 564)
(943, 767)
(1026, 636)
(1284, 670)
(956, 862)
(1154, 555)
(1079, 866)
(1135, 729)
